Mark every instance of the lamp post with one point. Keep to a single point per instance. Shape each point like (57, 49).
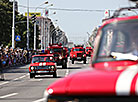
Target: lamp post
(46, 29)
(13, 25)
(35, 26)
(52, 31)
(27, 44)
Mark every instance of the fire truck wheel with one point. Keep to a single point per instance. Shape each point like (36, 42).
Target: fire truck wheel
(64, 65)
(55, 75)
(72, 61)
(84, 62)
(32, 75)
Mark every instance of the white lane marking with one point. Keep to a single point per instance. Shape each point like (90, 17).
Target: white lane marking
(14, 79)
(67, 72)
(9, 95)
(4, 83)
(36, 79)
(40, 100)
(124, 81)
(20, 77)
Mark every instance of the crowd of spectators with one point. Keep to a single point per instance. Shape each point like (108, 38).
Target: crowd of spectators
(10, 57)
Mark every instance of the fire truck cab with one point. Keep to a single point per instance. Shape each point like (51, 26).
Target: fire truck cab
(60, 54)
(78, 54)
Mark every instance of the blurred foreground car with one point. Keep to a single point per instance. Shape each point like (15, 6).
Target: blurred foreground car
(42, 64)
(114, 73)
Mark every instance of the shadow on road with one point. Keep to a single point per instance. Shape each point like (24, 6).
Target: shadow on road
(45, 77)
(74, 67)
(16, 70)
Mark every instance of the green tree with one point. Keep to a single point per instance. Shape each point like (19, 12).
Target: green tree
(21, 29)
(6, 12)
(5, 21)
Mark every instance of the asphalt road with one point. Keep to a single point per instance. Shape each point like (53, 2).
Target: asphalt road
(18, 87)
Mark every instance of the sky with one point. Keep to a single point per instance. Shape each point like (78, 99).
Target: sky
(76, 24)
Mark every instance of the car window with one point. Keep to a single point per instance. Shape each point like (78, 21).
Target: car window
(42, 59)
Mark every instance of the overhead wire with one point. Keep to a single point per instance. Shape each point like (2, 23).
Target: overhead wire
(67, 9)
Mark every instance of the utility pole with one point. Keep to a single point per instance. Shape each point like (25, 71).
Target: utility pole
(35, 36)
(27, 25)
(44, 27)
(42, 34)
(13, 26)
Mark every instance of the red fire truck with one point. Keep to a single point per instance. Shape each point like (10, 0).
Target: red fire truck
(42, 64)
(88, 51)
(114, 73)
(78, 54)
(60, 54)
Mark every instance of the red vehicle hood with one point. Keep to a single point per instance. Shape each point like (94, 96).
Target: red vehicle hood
(42, 64)
(98, 82)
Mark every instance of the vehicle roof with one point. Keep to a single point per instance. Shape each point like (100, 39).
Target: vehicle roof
(43, 55)
(114, 20)
(78, 47)
(88, 47)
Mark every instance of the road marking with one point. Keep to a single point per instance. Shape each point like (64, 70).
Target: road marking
(40, 100)
(9, 95)
(20, 77)
(36, 79)
(4, 83)
(67, 72)
(14, 79)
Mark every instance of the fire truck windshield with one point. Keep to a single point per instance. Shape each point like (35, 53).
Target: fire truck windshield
(38, 59)
(78, 49)
(119, 37)
(59, 50)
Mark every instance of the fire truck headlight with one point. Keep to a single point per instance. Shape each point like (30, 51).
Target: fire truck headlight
(32, 68)
(60, 57)
(50, 51)
(52, 67)
(74, 55)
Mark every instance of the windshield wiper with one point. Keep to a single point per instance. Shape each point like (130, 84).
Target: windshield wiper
(120, 56)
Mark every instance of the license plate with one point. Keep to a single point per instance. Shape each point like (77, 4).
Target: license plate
(78, 57)
(42, 71)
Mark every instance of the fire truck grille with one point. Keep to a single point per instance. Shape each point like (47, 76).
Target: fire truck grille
(79, 54)
(56, 55)
(42, 67)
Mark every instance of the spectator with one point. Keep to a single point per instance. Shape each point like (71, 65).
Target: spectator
(1, 70)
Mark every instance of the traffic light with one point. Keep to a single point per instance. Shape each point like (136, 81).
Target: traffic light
(33, 18)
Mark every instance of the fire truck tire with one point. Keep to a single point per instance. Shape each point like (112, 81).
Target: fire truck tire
(64, 65)
(32, 75)
(72, 61)
(55, 75)
(84, 62)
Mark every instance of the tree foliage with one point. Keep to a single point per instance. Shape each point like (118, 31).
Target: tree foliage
(5, 21)
(6, 13)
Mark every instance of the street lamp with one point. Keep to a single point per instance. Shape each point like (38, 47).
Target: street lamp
(13, 25)
(27, 25)
(35, 25)
(45, 15)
